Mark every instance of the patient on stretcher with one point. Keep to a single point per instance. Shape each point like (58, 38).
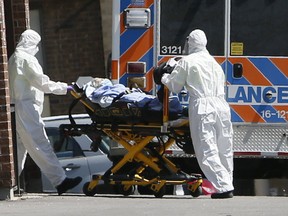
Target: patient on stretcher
(119, 101)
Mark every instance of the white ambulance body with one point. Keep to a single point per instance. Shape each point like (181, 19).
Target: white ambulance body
(248, 38)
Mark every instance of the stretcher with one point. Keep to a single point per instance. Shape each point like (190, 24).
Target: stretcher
(146, 137)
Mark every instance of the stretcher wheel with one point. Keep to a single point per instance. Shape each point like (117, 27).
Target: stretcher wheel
(197, 192)
(88, 192)
(126, 190)
(161, 192)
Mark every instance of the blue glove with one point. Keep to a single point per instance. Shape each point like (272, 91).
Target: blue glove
(70, 88)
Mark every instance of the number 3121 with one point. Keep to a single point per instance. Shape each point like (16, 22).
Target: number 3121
(171, 50)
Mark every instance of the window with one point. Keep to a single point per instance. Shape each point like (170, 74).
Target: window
(180, 17)
(63, 148)
(261, 26)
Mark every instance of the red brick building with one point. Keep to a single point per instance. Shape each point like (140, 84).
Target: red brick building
(72, 43)
(72, 46)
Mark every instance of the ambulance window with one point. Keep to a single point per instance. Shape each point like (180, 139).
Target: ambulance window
(179, 17)
(260, 26)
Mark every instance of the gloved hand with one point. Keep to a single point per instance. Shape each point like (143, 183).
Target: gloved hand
(164, 78)
(70, 88)
(171, 62)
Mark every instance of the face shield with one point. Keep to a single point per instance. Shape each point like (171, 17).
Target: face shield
(186, 47)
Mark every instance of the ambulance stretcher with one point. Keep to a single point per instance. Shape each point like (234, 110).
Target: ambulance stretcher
(146, 137)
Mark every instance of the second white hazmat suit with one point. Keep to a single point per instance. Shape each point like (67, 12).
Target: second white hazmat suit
(209, 113)
(27, 87)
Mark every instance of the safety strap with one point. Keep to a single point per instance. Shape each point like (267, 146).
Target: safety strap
(72, 105)
(127, 91)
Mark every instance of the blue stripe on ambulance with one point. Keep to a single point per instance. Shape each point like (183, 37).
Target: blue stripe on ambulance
(124, 4)
(270, 71)
(236, 117)
(148, 58)
(128, 38)
(273, 117)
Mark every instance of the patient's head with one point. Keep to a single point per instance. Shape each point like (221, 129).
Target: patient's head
(98, 82)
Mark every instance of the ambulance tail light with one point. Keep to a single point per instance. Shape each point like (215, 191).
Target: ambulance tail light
(136, 67)
(136, 74)
(137, 82)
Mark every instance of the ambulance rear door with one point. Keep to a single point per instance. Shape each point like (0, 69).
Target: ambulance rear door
(177, 18)
(257, 70)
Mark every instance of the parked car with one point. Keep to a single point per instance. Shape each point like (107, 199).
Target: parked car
(75, 156)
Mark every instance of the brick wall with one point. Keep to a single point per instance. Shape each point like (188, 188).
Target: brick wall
(72, 44)
(20, 10)
(7, 176)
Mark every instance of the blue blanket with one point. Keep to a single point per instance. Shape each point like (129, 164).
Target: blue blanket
(106, 94)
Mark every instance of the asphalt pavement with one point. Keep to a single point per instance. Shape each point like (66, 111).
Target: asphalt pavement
(118, 205)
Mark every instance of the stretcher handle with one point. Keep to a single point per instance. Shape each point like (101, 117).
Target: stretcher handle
(165, 105)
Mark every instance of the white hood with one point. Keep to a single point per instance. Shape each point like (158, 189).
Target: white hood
(196, 41)
(28, 42)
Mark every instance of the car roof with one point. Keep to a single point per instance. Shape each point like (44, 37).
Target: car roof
(55, 121)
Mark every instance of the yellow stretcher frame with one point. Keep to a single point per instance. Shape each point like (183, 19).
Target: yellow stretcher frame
(138, 151)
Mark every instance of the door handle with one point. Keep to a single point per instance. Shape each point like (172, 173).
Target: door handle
(71, 166)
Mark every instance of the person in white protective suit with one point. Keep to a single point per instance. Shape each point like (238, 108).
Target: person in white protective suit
(27, 87)
(209, 113)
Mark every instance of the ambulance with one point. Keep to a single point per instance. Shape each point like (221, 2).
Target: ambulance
(249, 39)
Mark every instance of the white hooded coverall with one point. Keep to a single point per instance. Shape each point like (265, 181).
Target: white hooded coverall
(209, 113)
(27, 87)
